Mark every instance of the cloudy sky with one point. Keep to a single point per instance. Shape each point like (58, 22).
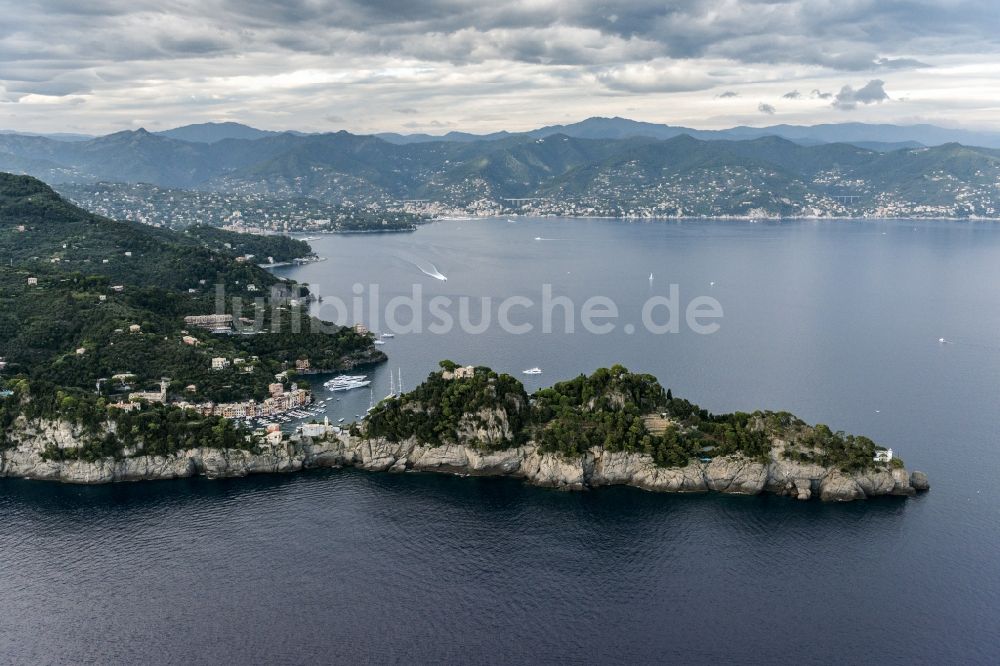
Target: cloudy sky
(412, 66)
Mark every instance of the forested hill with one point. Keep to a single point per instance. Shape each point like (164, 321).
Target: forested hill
(259, 247)
(612, 409)
(84, 298)
(40, 229)
(635, 176)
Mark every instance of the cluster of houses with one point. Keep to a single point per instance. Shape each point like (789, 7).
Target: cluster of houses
(221, 363)
(279, 401)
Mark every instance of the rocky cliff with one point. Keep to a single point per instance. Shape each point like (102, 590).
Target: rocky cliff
(597, 467)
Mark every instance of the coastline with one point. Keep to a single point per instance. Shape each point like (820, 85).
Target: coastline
(760, 219)
(596, 468)
(350, 232)
(300, 261)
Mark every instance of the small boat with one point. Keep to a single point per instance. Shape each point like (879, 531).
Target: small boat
(532, 371)
(340, 420)
(378, 342)
(388, 335)
(942, 341)
(650, 277)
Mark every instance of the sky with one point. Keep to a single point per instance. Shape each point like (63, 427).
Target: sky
(100, 66)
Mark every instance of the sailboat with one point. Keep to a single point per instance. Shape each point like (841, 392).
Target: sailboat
(392, 387)
(395, 386)
(650, 277)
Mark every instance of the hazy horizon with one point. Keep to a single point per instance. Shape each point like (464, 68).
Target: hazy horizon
(443, 132)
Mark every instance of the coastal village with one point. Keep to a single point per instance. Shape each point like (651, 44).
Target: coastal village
(279, 402)
(287, 401)
(239, 211)
(284, 396)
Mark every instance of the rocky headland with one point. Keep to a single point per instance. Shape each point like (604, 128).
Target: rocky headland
(597, 467)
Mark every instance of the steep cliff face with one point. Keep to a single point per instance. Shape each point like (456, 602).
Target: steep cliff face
(597, 467)
(488, 426)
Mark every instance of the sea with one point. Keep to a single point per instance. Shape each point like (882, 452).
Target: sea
(885, 328)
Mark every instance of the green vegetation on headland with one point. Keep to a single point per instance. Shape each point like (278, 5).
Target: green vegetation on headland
(259, 248)
(613, 409)
(92, 310)
(106, 432)
(468, 420)
(443, 410)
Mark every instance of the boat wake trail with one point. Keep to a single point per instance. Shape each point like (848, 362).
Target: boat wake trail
(425, 267)
(433, 272)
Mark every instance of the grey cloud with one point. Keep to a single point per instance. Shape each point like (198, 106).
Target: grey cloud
(116, 48)
(196, 45)
(766, 108)
(408, 110)
(872, 92)
(846, 37)
(50, 88)
(729, 94)
(899, 63)
(793, 94)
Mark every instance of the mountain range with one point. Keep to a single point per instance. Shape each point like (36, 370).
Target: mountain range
(874, 136)
(623, 175)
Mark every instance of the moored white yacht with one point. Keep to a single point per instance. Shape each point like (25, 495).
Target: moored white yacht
(346, 382)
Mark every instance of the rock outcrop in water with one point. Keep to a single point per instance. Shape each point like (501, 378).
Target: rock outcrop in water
(595, 468)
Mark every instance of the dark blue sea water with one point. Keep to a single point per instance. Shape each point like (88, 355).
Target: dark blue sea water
(838, 322)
